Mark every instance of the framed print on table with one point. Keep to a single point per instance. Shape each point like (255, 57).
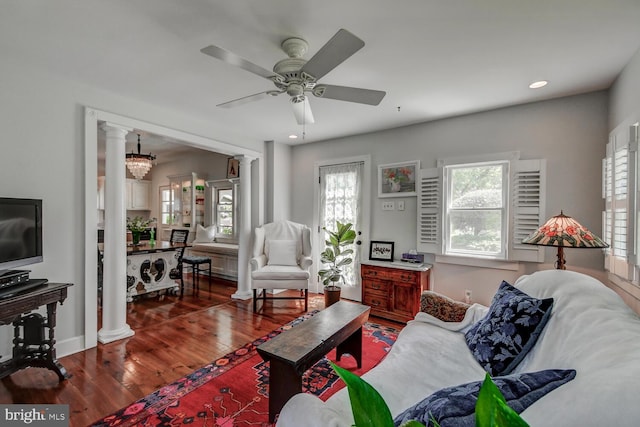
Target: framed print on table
(398, 179)
(381, 251)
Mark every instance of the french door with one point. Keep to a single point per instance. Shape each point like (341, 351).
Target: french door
(341, 194)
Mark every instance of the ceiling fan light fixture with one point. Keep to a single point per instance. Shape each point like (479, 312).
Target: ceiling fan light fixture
(139, 164)
(538, 84)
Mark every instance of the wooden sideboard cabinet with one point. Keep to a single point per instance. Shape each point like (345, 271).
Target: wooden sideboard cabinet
(392, 290)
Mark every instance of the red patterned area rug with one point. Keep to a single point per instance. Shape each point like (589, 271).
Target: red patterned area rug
(233, 390)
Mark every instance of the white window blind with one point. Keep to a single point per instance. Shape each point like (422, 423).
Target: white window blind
(619, 187)
(429, 210)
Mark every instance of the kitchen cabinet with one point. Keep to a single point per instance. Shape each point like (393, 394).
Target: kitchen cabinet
(138, 194)
(392, 290)
(188, 200)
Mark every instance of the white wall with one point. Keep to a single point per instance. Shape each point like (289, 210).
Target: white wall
(42, 120)
(624, 98)
(278, 171)
(568, 132)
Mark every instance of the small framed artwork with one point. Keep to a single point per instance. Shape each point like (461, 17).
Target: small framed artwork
(381, 251)
(398, 179)
(233, 168)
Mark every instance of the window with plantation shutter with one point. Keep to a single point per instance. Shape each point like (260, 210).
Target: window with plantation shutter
(619, 193)
(429, 210)
(527, 207)
(457, 219)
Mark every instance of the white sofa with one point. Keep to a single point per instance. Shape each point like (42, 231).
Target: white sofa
(590, 330)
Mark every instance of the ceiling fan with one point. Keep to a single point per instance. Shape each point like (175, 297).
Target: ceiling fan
(298, 77)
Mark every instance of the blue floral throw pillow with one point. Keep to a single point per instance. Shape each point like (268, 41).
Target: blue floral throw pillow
(500, 340)
(455, 406)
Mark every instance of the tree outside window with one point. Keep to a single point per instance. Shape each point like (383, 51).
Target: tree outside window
(476, 209)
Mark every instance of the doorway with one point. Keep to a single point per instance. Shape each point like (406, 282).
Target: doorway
(342, 195)
(91, 120)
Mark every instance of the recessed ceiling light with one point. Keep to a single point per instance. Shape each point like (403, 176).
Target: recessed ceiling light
(292, 136)
(538, 84)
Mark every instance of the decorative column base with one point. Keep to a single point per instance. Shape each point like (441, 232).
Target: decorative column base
(106, 337)
(242, 294)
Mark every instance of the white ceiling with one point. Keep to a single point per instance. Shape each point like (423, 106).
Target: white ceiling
(434, 58)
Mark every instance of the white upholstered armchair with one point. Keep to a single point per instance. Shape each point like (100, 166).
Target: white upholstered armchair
(281, 260)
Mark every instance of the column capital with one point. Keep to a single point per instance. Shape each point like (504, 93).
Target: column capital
(115, 129)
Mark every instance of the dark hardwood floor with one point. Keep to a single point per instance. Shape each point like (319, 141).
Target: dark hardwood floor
(172, 338)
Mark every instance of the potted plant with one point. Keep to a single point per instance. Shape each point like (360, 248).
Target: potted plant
(335, 256)
(137, 225)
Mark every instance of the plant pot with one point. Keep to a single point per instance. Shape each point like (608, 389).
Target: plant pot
(331, 295)
(135, 237)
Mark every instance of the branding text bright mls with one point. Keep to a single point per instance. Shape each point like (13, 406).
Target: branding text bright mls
(31, 415)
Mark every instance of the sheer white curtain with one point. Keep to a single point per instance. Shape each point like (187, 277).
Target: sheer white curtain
(340, 200)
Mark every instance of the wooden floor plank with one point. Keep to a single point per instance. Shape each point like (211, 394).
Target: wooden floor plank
(173, 337)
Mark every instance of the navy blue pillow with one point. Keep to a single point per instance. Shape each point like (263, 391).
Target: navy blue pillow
(500, 340)
(455, 406)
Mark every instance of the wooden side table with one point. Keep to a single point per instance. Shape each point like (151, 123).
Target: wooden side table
(295, 350)
(393, 289)
(31, 345)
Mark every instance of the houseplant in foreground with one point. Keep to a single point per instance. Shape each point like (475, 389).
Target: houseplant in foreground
(335, 257)
(370, 410)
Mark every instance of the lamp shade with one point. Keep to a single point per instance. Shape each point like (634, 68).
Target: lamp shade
(562, 230)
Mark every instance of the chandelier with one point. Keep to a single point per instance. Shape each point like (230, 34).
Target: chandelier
(139, 164)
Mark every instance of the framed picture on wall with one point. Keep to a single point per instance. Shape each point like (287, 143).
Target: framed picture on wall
(398, 179)
(233, 168)
(381, 251)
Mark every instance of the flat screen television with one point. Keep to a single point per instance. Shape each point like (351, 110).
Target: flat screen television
(20, 233)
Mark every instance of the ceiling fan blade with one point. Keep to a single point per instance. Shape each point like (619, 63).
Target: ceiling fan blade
(340, 47)
(247, 99)
(302, 111)
(351, 94)
(238, 61)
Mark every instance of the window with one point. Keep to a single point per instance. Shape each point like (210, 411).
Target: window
(619, 185)
(224, 211)
(476, 210)
(482, 209)
(166, 205)
(223, 208)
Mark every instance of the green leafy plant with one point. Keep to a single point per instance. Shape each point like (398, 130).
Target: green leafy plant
(336, 255)
(370, 410)
(139, 224)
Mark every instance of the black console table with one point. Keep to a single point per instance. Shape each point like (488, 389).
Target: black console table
(31, 346)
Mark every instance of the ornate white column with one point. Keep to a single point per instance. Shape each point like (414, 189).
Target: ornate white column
(114, 288)
(244, 230)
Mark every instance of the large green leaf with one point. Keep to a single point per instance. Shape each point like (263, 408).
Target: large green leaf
(368, 407)
(492, 410)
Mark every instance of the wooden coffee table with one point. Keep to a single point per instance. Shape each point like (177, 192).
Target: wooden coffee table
(294, 351)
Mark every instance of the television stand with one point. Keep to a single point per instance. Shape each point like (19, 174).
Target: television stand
(33, 342)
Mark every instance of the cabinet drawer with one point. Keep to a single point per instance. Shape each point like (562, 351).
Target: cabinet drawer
(404, 276)
(376, 302)
(376, 286)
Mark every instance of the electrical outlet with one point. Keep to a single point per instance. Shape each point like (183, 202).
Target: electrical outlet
(388, 206)
(467, 296)
(400, 205)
